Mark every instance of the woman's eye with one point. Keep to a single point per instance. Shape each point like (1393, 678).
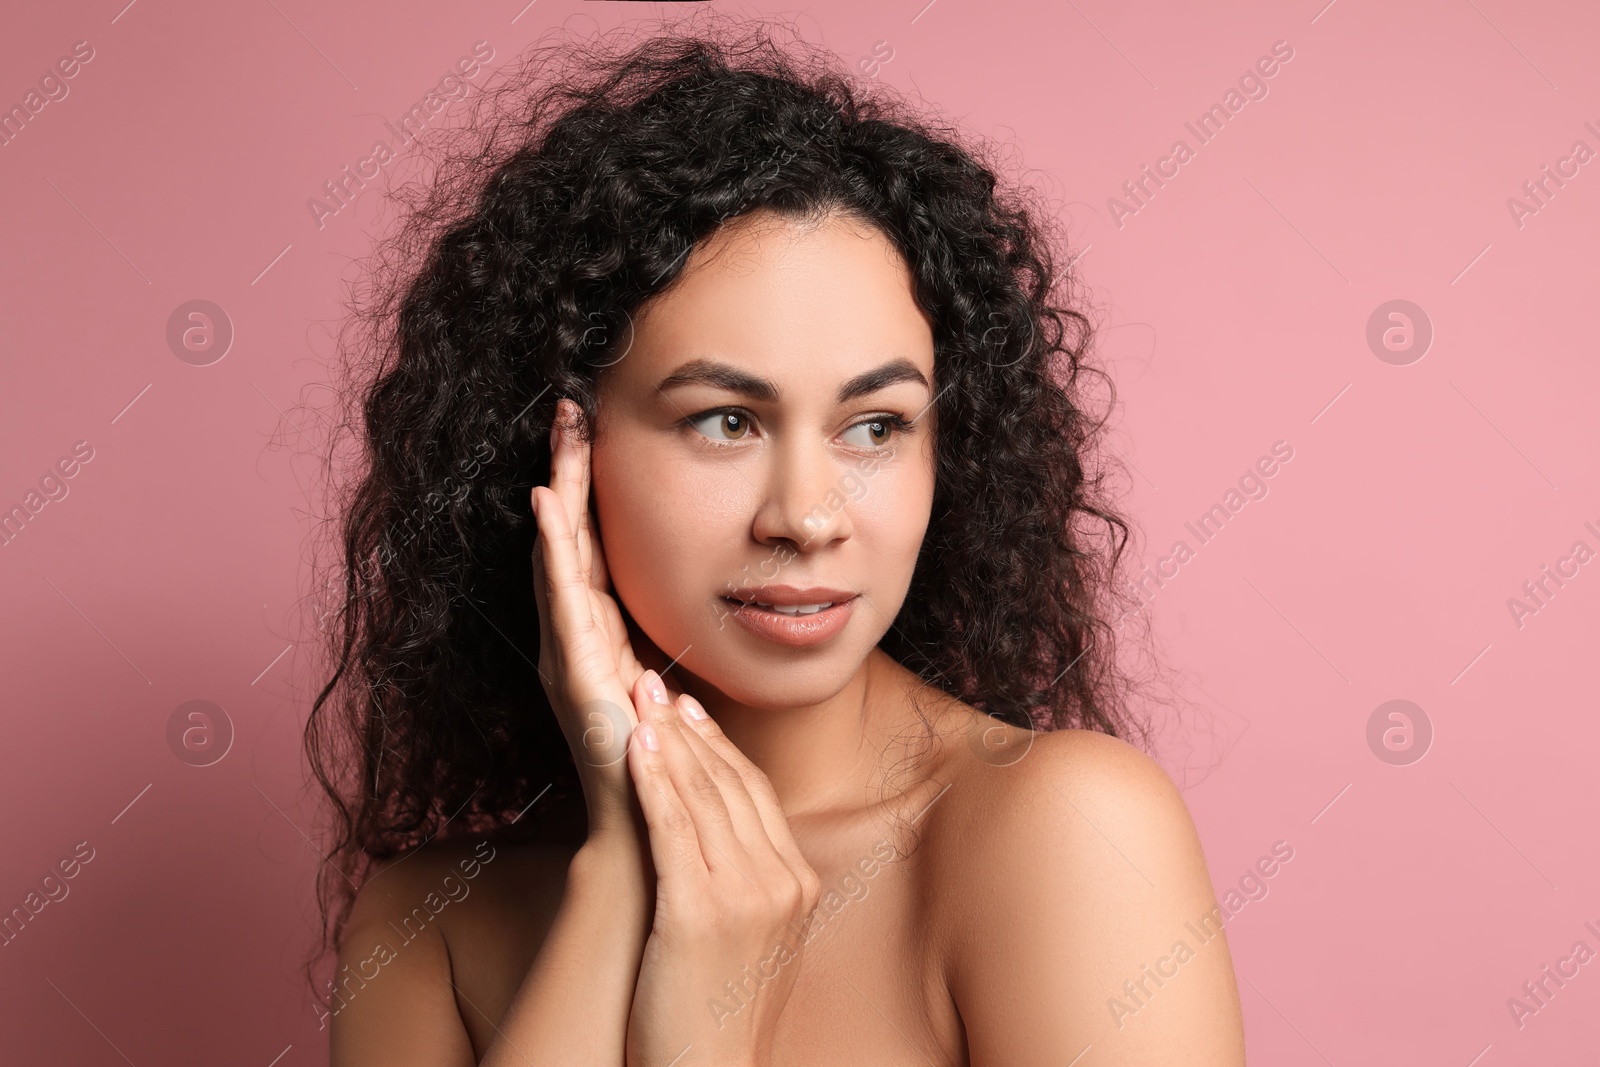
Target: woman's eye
(732, 423)
(875, 432)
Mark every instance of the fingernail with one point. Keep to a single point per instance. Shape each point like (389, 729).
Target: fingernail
(692, 706)
(653, 686)
(647, 734)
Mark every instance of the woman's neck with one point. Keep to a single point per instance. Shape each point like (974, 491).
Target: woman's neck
(831, 756)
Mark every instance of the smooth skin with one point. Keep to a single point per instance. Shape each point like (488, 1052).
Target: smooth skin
(768, 884)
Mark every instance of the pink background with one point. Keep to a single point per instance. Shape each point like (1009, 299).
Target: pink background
(1235, 305)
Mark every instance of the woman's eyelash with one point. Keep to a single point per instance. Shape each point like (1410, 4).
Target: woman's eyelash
(899, 423)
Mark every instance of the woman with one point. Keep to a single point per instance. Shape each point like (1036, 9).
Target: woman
(725, 673)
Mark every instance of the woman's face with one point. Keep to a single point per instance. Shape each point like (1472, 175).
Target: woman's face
(747, 450)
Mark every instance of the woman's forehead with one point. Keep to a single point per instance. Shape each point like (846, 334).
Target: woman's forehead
(818, 301)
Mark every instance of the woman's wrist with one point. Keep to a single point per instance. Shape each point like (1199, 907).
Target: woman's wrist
(610, 867)
(611, 812)
(612, 850)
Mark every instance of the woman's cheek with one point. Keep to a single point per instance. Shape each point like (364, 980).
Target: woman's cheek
(627, 521)
(669, 532)
(891, 515)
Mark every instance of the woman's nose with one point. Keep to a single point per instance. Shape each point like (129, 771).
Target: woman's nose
(803, 498)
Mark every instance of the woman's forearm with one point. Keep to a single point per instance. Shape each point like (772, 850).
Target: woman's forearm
(572, 1008)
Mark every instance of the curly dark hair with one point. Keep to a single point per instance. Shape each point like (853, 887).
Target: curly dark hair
(586, 173)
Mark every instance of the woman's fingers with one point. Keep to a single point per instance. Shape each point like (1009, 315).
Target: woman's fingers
(742, 808)
(674, 842)
(550, 658)
(594, 557)
(564, 594)
(571, 647)
(699, 794)
(566, 476)
(756, 787)
(580, 652)
(569, 476)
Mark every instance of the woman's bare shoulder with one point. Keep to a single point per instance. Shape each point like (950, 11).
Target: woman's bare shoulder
(1017, 803)
(498, 871)
(436, 936)
(1066, 861)
(1010, 793)
(995, 763)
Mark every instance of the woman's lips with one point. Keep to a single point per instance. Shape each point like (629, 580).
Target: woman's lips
(797, 631)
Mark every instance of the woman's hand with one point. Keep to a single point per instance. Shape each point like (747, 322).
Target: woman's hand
(586, 662)
(732, 890)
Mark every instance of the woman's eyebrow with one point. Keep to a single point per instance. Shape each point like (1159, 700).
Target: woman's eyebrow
(735, 380)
